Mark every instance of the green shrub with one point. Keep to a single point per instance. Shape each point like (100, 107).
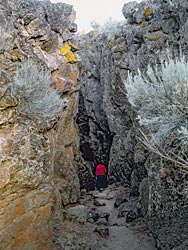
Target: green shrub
(110, 27)
(32, 85)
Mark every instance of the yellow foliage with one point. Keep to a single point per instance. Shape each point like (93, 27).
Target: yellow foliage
(148, 12)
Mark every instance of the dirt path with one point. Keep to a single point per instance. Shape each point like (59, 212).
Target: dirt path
(122, 238)
(123, 235)
(100, 223)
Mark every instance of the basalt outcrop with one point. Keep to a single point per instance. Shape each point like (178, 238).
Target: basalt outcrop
(107, 57)
(37, 154)
(107, 117)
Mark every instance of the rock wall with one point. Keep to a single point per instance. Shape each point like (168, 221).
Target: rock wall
(37, 154)
(163, 25)
(95, 135)
(107, 56)
(106, 120)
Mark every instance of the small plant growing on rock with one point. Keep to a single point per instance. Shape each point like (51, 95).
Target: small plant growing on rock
(160, 97)
(110, 27)
(33, 88)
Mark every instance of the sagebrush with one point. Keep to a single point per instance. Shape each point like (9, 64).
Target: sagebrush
(33, 88)
(160, 96)
(110, 27)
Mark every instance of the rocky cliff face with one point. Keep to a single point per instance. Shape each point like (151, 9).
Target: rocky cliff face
(108, 117)
(38, 153)
(107, 56)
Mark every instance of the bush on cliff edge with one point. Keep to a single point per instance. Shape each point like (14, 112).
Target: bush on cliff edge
(33, 88)
(160, 96)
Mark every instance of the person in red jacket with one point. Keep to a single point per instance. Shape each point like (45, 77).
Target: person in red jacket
(101, 172)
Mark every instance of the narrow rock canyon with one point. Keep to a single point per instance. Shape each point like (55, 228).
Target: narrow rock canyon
(63, 110)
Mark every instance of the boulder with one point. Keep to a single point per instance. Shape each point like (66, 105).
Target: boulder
(79, 212)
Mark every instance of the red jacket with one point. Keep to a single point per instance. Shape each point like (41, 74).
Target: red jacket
(100, 170)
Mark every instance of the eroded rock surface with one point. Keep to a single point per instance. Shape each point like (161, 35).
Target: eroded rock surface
(108, 116)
